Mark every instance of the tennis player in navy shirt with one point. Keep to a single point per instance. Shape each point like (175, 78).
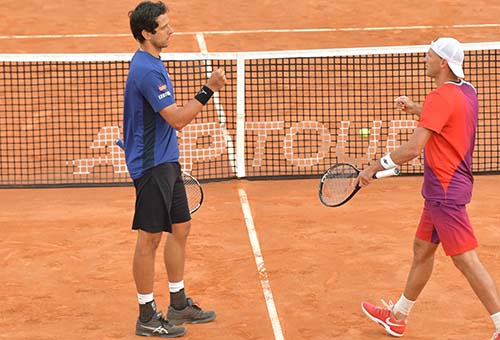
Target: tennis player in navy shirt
(151, 118)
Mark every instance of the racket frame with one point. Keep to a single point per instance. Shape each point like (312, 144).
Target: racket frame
(188, 178)
(379, 174)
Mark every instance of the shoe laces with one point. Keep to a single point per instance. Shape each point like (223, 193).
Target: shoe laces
(388, 305)
(191, 304)
(163, 321)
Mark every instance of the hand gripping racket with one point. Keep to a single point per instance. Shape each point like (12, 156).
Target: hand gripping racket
(194, 192)
(337, 184)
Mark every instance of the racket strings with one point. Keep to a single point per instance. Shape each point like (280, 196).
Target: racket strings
(193, 192)
(338, 184)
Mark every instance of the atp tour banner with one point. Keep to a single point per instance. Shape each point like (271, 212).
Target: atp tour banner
(266, 145)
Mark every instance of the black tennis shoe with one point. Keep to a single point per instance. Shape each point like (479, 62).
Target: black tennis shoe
(158, 327)
(190, 314)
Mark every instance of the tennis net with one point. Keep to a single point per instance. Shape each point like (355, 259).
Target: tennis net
(281, 114)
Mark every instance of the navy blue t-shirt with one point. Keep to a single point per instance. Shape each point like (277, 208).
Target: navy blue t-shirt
(149, 139)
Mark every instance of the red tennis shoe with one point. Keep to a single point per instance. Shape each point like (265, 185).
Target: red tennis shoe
(384, 317)
(496, 336)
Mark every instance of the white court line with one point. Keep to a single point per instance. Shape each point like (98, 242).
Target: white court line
(218, 106)
(259, 260)
(201, 42)
(297, 30)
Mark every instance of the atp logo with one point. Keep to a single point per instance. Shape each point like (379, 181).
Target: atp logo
(114, 157)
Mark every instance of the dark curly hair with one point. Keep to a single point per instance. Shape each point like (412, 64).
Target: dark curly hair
(144, 16)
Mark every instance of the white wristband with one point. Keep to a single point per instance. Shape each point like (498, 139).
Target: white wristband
(387, 162)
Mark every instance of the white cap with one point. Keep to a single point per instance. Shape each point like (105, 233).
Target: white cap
(450, 50)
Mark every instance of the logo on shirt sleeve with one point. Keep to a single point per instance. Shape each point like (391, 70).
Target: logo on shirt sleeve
(165, 94)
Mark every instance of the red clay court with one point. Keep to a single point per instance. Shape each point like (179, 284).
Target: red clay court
(66, 253)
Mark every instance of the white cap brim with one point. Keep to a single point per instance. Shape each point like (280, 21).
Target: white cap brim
(457, 70)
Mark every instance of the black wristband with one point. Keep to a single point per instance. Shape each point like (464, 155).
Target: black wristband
(204, 95)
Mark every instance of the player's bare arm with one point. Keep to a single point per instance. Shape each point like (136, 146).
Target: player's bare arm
(405, 153)
(180, 116)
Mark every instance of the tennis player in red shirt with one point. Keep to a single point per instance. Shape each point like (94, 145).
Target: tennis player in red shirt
(446, 132)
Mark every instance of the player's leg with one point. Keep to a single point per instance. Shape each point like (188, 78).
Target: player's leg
(150, 219)
(459, 242)
(144, 260)
(479, 278)
(181, 309)
(420, 273)
(175, 248)
(424, 247)
(175, 258)
(481, 282)
(393, 316)
(143, 269)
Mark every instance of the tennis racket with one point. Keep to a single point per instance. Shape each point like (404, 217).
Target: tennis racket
(194, 192)
(337, 184)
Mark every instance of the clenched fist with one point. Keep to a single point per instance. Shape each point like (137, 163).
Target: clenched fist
(217, 80)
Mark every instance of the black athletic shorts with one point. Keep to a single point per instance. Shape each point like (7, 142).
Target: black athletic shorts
(160, 199)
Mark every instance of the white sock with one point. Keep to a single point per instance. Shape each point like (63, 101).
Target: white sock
(403, 306)
(174, 287)
(144, 298)
(496, 320)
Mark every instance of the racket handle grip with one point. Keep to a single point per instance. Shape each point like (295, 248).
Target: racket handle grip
(119, 142)
(387, 173)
